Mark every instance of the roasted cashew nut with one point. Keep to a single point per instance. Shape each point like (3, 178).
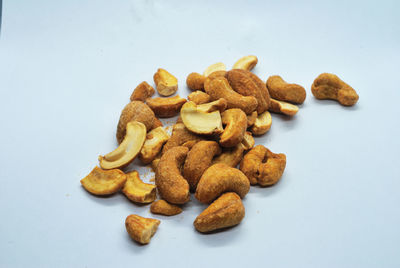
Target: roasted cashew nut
(236, 125)
(138, 191)
(104, 182)
(199, 121)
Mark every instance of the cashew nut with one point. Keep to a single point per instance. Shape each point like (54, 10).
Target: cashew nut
(198, 160)
(180, 135)
(251, 118)
(200, 122)
(226, 211)
(166, 83)
(104, 182)
(230, 156)
(218, 105)
(153, 144)
(236, 125)
(128, 149)
(262, 166)
(246, 63)
(262, 124)
(162, 207)
(195, 81)
(170, 184)
(138, 191)
(218, 179)
(248, 141)
(282, 107)
(219, 66)
(330, 86)
(199, 97)
(283, 91)
(166, 107)
(141, 229)
(142, 92)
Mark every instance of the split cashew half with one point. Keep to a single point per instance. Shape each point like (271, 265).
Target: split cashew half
(219, 66)
(246, 63)
(153, 144)
(200, 122)
(166, 83)
(236, 125)
(141, 229)
(138, 191)
(166, 107)
(262, 124)
(104, 182)
(282, 107)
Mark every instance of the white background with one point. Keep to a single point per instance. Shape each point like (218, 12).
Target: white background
(67, 68)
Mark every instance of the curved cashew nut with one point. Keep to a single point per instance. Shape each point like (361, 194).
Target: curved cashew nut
(279, 89)
(153, 144)
(104, 182)
(262, 124)
(138, 191)
(180, 135)
(282, 107)
(171, 185)
(166, 107)
(230, 156)
(195, 81)
(219, 66)
(199, 121)
(218, 179)
(246, 63)
(236, 125)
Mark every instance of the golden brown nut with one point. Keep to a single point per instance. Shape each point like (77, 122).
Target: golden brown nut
(330, 86)
(128, 149)
(138, 191)
(154, 163)
(198, 160)
(251, 118)
(166, 107)
(230, 156)
(141, 229)
(134, 111)
(280, 90)
(246, 63)
(226, 211)
(219, 66)
(262, 86)
(104, 182)
(166, 83)
(199, 97)
(164, 208)
(243, 83)
(248, 141)
(220, 88)
(170, 184)
(262, 166)
(142, 92)
(262, 124)
(282, 107)
(156, 123)
(236, 125)
(180, 135)
(195, 81)
(218, 179)
(155, 139)
(218, 105)
(200, 121)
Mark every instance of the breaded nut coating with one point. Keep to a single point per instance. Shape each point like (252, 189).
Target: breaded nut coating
(198, 160)
(218, 179)
(236, 125)
(280, 90)
(142, 92)
(162, 207)
(170, 184)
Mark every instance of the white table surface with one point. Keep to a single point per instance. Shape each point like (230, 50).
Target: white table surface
(67, 68)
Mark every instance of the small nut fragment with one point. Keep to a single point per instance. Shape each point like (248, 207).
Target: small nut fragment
(166, 83)
(236, 125)
(282, 107)
(218, 105)
(248, 141)
(104, 182)
(262, 124)
(246, 63)
(330, 86)
(251, 118)
(153, 144)
(199, 97)
(262, 166)
(138, 191)
(226, 211)
(154, 164)
(128, 149)
(283, 91)
(166, 107)
(195, 81)
(200, 122)
(219, 66)
(134, 111)
(198, 160)
(141, 229)
(156, 123)
(180, 135)
(170, 184)
(164, 208)
(142, 92)
(220, 88)
(218, 179)
(230, 156)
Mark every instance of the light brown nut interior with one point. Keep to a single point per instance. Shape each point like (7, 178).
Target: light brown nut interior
(263, 167)
(138, 191)
(141, 229)
(128, 149)
(219, 66)
(134, 111)
(226, 211)
(283, 91)
(142, 92)
(195, 81)
(330, 86)
(199, 97)
(198, 160)
(248, 141)
(166, 83)
(282, 107)
(230, 156)
(251, 118)
(246, 63)
(199, 121)
(166, 107)
(155, 139)
(180, 135)
(220, 88)
(171, 185)
(262, 124)
(218, 105)
(104, 182)
(236, 125)
(218, 179)
(162, 207)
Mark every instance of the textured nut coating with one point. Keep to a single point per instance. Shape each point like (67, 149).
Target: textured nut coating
(226, 211)
(166, 107)
(142, 92)
(162, 207)
(330, 86)
(180, 135)
(166, 83)
(170, 184)
(218, 179)
(195, 81)
(236, 125)
(198, 160)
(283, 91)
(230, 156)
(104, 182)
(199, 97)
(141, 229)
